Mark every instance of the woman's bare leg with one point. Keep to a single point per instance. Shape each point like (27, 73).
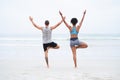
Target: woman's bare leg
(82, 45)
(74, 56)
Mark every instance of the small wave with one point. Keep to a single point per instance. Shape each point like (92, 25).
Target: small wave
(12, 44)
(59, 39)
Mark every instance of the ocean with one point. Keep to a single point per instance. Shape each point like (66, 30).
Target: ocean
(22, 58)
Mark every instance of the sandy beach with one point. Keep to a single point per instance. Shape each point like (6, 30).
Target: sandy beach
(25, 61)
(21, 46)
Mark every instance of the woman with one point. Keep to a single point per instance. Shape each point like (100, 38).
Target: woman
(74, 30)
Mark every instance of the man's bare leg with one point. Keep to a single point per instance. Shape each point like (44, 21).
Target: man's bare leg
(46, 58)
(57, 47)
(46, 54)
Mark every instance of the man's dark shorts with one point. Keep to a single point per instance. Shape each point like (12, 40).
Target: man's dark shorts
(46, 45)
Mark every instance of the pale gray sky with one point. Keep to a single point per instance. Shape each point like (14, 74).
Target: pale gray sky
(103, 16)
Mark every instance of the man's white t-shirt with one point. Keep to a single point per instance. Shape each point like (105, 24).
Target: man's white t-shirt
(46, 35)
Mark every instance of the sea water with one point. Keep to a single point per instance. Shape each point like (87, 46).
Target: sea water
(22, 58)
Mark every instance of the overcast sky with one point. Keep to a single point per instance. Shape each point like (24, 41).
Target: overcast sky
(102, 16)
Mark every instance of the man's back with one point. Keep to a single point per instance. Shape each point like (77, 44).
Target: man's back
(46, 34)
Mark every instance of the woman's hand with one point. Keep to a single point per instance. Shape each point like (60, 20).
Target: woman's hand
(60, 13)
(85, 12)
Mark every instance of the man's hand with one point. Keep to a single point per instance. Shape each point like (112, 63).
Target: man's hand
(31, 19)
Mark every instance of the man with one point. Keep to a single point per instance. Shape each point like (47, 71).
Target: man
(46, 36)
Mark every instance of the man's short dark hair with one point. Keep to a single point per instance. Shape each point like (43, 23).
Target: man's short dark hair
(46, 22)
